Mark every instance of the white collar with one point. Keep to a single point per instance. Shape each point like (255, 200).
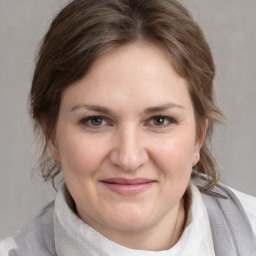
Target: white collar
(74, 237)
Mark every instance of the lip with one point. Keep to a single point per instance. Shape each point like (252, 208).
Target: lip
(124, 186)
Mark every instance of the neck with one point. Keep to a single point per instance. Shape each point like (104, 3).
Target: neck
(160, 237)
(163, 235)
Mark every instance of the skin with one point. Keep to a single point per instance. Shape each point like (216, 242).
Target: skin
(131, 139)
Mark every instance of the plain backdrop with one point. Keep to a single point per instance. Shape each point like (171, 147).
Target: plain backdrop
(229, 26)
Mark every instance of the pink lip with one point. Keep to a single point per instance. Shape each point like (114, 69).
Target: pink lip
(128, 186)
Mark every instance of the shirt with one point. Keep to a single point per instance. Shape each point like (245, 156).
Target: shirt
(74, 237)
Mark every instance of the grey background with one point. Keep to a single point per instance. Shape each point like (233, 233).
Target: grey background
(229, 26)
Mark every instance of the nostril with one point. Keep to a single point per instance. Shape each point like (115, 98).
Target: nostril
(129, 156)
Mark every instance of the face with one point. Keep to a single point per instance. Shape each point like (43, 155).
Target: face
(126, 140)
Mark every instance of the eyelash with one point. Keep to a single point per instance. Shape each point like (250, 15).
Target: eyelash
(85, 121)
(170, 121)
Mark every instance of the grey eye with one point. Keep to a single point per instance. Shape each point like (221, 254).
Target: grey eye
(96, 121)
(159, 120)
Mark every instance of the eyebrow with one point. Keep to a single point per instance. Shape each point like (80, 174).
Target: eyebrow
(104, 110)
(95, 108)
(162, 108)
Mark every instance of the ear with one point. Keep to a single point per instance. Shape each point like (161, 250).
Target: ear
(52, 146)
(199, 143)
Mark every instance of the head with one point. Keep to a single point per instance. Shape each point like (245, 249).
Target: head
(77, 37)
(126, 61)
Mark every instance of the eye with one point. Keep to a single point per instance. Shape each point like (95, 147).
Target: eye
(161, 121)
(94, 121)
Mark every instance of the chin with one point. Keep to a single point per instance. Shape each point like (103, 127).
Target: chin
(131, 220)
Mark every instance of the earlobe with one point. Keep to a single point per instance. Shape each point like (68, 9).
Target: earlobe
(196, 158)
(51, 145)
(200, 143)
(53, 151)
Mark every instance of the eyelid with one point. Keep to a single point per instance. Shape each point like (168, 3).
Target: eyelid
(170, 119)
(84, 121)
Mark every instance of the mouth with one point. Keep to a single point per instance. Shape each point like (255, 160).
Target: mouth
(128, 186)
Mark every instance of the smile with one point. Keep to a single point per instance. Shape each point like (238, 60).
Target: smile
(128, 186)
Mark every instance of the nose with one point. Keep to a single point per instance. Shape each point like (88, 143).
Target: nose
(128, 151)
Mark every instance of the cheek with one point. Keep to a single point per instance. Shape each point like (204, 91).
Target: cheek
(177, 169)
(174, 157)
(81, 155)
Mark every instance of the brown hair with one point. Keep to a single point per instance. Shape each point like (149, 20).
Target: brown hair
(85, 29)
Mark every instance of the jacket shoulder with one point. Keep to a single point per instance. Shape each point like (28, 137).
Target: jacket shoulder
(249, 204)
(38, 235)
(33, 239)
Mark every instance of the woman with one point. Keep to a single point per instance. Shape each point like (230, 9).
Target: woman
(123, 96)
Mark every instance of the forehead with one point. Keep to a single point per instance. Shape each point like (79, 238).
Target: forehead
(137, 58)
(136, 74)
